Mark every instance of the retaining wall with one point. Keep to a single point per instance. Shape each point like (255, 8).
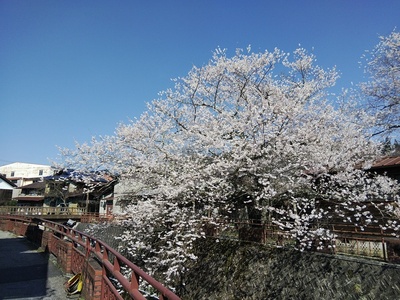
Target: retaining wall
(234, 270)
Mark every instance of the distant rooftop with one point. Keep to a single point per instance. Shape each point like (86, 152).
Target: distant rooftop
(389, 161)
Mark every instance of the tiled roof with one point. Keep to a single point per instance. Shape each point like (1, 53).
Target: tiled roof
(389, 161)
(71, 175)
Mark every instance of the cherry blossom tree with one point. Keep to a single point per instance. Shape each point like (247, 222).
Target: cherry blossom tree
(253, 136)
(382, 65)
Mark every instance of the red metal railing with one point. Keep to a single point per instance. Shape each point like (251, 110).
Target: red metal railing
(114, 266)
(16, 225)
(113, 263)
(95, 217)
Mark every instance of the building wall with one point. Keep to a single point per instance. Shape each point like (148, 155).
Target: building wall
(4, 185)
(123, 192)
(24, 173)
(119, 191)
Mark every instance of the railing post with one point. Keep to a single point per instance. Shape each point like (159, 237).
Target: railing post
(92, 275)
(64, 255)
(9, 225)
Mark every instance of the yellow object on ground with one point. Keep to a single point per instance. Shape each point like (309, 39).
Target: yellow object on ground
(74, 284)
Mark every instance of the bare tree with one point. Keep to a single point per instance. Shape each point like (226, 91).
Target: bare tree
(382, 65)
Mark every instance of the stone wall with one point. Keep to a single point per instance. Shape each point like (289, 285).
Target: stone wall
(233, 270)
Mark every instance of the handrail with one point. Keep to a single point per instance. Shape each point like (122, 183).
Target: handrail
(109, 258)
(40, 210)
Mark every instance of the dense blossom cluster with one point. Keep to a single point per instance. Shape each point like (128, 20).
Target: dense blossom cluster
(252, 136)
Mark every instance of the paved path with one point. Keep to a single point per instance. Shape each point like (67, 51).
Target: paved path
(27, 273)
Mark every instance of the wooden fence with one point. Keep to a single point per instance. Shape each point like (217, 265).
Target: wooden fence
(372, 241)
(40, 210)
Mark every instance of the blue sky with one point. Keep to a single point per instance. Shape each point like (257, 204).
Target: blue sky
(70, 70)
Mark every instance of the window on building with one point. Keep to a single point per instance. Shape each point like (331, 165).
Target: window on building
(40, 172)
(12, 174)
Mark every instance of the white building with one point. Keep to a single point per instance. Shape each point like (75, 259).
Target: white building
(22, 174)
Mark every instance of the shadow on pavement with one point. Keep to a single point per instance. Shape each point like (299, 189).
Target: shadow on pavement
(23, 269)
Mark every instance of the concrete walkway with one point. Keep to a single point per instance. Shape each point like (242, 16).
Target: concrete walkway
(26, 272)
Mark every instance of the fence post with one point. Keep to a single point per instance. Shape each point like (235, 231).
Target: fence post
(64, 255)
(384, 249)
